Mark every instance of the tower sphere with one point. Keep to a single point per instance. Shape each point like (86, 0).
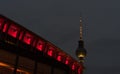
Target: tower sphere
(81, 52)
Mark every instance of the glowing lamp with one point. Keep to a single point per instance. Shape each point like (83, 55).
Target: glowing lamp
(80, 54)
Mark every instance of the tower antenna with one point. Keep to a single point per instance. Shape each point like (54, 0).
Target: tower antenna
(81, 29)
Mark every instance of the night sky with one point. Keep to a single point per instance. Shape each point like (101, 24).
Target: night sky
(58, 22)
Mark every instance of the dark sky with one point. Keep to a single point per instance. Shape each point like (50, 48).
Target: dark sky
(58, 22)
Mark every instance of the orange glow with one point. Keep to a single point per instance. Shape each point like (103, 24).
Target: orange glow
(82, 55)
(4, 65)
(11, 68)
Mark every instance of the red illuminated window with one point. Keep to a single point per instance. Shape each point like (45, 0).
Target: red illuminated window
(40, 45)
(13, 31)
(1, 22)
(5, 27)
(66, 61)
(50, 52)
(27, 38)
(73, 67)
(59, 58)
(80, 70)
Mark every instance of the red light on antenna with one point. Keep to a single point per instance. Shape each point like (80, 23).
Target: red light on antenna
(13, 31)
(27, 38)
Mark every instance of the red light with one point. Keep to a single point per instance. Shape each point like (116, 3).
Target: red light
(27, 38)
(5, 27)
(80, 70)
(50, 52)
(13, 31)
(1, 22)
(59, 58)
(66, 62)
(73, 67)
(40, 45)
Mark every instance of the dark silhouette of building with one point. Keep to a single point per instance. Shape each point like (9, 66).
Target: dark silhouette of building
(24, 52)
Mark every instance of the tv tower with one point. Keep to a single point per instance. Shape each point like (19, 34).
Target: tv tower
(81, 51)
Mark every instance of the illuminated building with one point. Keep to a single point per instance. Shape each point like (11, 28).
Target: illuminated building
(24, 52)
(81, 51)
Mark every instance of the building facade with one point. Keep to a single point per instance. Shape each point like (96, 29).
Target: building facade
(24, 52)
